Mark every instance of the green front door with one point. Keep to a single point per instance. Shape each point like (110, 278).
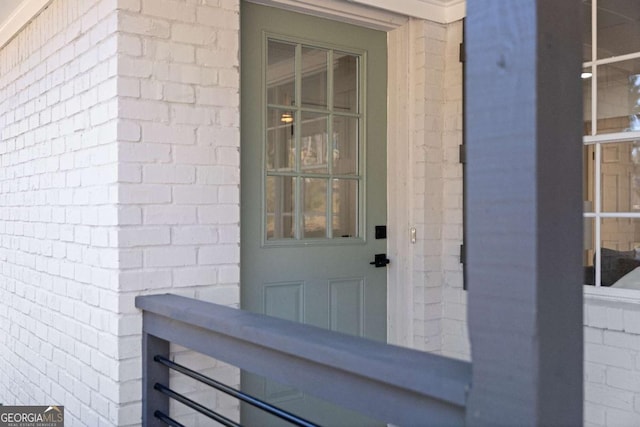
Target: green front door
(313, 181)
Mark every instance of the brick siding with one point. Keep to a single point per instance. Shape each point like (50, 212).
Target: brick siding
(612, 362)
(179, 160)
(439, 301)
(59, 329)
(120, 162)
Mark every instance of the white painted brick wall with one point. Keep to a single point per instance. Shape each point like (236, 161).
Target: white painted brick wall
(429, 50)
(612, 362)
(179, 165)
(179, 137)
(439, 310)
(454, 323)
(119, 147)
(58, 245)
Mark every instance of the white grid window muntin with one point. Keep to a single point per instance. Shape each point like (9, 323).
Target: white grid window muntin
(324, 196)
(600, 140)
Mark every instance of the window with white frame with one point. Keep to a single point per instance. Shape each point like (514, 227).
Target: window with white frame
(611, 155)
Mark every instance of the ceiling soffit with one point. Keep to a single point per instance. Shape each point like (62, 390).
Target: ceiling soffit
(15, 15)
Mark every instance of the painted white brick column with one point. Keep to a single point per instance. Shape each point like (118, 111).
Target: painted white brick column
(455, 341)
(178, 140)
(179, 165)
(429, 42)
(436, 181)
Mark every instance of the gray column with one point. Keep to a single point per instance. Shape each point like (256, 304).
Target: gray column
(152, 373)
(524, 207)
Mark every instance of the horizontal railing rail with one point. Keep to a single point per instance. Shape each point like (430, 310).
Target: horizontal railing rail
(211, 414)
(393, 384)
(244, 397)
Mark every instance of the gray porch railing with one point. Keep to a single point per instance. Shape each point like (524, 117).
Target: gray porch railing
(394, 384)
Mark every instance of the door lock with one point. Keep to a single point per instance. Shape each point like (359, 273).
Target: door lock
(380, 260)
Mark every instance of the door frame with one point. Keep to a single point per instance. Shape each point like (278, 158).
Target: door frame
(400, 80)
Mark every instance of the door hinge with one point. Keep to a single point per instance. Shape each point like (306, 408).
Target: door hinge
(463, 255)
(463, 55)
(462, 153)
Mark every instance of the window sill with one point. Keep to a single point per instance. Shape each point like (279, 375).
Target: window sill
(612, 294)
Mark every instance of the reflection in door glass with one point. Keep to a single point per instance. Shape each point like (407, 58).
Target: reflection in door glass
(345, 87)
(314, 77)
(315, 207)
(345, 145)
(280, 153)
(280, 202)
(345, 207)
(313, 143)
(281, 73)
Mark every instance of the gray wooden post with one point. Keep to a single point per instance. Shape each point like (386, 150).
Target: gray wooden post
(524, 207)
(152, 373)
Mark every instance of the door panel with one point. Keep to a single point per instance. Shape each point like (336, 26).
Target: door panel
(313, 182)
(347, 306)
(284, 300)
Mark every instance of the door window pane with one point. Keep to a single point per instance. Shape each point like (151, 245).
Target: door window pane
(312, 148)
(619, 97)
(345, 145)
(281, 73)
(314, 77)
(314, 192)
(345, 76)
(280, 153)
(345, 208)
(280, 201)
(313, 143)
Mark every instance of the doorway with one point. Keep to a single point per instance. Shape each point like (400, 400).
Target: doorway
(313, 153)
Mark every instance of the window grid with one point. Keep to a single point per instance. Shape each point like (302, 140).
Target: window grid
(599, 140)
(301, 174)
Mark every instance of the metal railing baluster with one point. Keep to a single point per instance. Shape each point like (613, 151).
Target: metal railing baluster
(264, 406)
(196, 406)
(167, 419)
